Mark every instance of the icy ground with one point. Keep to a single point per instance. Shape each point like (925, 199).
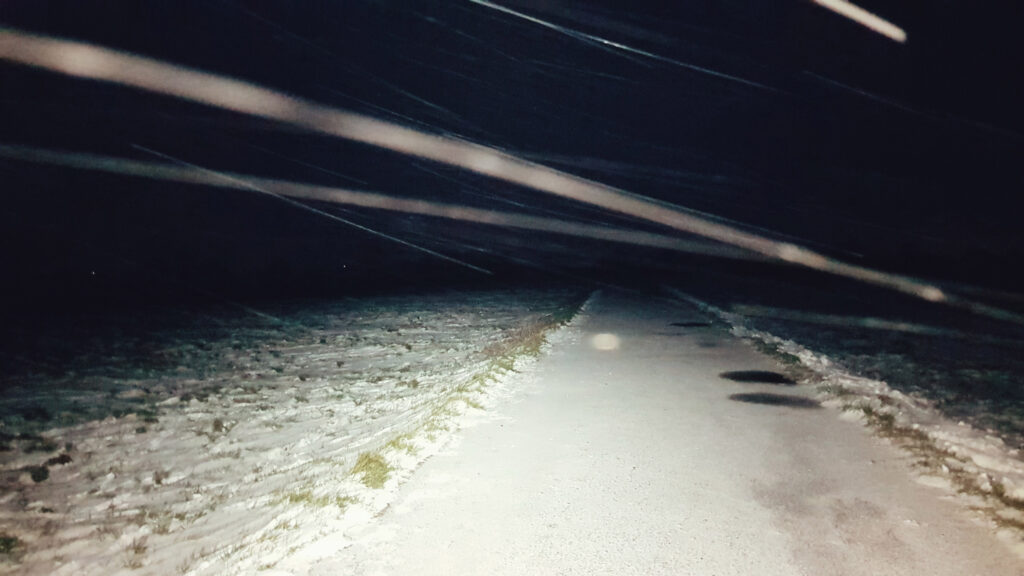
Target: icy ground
(221, 442)
(637, 452)
(953, 403)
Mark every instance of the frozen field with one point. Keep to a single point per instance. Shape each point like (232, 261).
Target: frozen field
(220, 441)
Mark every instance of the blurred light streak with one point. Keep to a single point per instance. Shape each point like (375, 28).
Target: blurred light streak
(864, 18)
(674, 177)
(88, 61)
(604, 42)
(988, 293)
(866, 322)
(470, 189)
(288, 191)
(245, 184)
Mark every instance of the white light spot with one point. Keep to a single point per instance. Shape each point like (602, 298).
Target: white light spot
(605, 341)
(933, 294)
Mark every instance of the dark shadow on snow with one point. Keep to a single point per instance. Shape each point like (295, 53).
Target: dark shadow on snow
(776, 400)
(758, 377)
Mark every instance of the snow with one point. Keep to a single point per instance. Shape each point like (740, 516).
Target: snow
(976, 464)
(236, 456)
(637, 460)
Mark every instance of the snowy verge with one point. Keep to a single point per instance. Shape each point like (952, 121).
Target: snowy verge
(372, 488)
(984, 473)
(261, 454)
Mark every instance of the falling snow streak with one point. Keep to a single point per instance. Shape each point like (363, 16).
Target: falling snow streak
(303, 163)
(865, 18)
(599, 216)
(933, 116)
(334, 59)
(290, 191)
(868, 323)
(247, 185)
(623, 48)
(88, 61)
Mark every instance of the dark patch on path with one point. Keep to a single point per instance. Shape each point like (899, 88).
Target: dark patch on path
(691, 324)
(758, 377)
(776, 400)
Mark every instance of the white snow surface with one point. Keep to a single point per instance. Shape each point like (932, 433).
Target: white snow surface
(596, 459)
(247, 468)
(645, 459)
(982, 457)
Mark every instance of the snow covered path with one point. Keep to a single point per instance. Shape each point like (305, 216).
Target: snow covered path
(643, 460)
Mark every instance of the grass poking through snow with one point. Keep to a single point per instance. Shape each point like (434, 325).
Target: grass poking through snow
(528, 341)
(934, 459)
(792, 366)
(373, 468)
(402, 443)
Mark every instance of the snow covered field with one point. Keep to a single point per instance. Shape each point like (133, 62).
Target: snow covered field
(222, 442)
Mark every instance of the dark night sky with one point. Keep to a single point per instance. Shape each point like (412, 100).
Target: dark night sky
(906, 157)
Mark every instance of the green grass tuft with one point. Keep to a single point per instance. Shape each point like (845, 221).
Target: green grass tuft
(307, 498)
(469, 401)
(402, 444)
(373, 469)
(343, 502)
